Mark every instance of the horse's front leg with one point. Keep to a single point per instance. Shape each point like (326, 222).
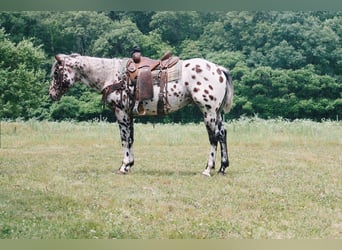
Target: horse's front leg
(125, 122)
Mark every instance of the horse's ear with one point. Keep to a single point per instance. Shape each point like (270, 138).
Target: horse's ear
(59, 58)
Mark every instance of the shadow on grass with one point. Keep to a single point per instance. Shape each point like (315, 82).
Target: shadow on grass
(157, 172)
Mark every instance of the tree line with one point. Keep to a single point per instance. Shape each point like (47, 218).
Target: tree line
(284, 64)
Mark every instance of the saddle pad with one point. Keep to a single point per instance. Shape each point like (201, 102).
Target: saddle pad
(173, 74)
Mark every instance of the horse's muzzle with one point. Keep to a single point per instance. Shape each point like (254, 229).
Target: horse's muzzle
(54, 97)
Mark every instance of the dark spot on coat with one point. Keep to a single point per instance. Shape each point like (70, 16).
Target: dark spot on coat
(221, 79)
(187, 65)
(211, 87)
(196, 89)
(198, 69)
(199, 83)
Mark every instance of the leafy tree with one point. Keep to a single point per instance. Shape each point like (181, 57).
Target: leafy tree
(291, 94)
(78, 30)
(118, 41)
(174, 27)
(68, 108)
(285, 64)
(22, 81)
(215, 38)
(142, 19)
(153, 46)
(226, 58)
(283, 56)
(191, 49)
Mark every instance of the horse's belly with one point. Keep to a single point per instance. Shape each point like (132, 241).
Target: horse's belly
(175, 99)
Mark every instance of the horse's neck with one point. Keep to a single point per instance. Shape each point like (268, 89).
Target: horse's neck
(98, 73)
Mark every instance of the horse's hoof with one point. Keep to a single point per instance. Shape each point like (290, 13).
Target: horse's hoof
(206, 173)
(221, 173)
(121, 172)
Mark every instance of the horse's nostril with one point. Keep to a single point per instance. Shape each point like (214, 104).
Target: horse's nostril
(53, 97)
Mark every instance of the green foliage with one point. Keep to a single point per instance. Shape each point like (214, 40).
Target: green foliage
(175, 27)
(153, 45)
(21, 78)
(79, 105)
(67, 108)
(229, 59)
(286, 64)
(287, 93)
(117, 41)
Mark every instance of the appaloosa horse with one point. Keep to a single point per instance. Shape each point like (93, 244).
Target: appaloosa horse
(201, 82)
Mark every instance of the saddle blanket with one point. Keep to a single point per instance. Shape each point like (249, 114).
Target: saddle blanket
(173, 74)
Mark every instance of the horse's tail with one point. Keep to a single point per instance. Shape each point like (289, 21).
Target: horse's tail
(228, 102)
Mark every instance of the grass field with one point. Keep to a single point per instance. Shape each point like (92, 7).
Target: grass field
(57, 181)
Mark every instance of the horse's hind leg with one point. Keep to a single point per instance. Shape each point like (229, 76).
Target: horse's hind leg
(210, 120)
(217, 133)
(222, 138)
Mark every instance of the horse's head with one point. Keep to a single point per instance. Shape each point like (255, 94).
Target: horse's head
(63, 76)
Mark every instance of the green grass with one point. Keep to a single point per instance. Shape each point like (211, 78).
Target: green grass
(58, 181)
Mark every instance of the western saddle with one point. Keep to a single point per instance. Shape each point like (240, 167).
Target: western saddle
(140, 75)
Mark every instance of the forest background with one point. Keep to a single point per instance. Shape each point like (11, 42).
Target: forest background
(283, 64)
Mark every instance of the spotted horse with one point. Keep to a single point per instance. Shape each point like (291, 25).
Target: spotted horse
(207, 85)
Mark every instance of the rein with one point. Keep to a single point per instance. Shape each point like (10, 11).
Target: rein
(111, 88)
(121, 85)
(60, 78)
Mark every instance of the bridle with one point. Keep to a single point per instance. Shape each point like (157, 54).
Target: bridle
(60, 75)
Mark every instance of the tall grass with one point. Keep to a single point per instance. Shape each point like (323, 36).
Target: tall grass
(57, 181)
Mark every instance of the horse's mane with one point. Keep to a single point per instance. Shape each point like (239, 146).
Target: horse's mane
(55, 62)
(75, 55)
